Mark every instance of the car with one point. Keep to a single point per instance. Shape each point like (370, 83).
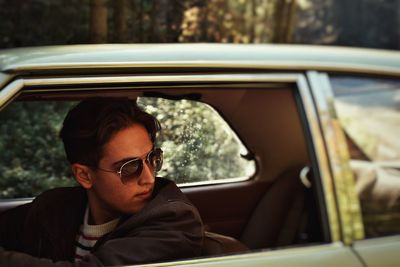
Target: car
(290, 152)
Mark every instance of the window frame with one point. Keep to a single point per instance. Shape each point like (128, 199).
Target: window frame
(332, 228)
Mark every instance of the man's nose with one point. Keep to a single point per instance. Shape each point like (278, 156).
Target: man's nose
(147, 176)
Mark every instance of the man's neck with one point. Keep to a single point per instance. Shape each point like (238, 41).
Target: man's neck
(97, 214)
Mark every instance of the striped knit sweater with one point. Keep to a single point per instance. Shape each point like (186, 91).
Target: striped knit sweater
(89, 234)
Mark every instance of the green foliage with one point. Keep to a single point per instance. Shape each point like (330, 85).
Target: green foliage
(198, 145)
(365, 23)
(43, 22)
(31, 154)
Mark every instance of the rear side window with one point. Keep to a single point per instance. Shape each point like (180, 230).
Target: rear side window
(199, 146)
(369, 111)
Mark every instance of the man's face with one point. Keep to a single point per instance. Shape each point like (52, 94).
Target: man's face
(108, 195)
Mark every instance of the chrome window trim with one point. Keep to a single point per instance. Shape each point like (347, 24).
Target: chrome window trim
(162, 78)
(298, 79)
(10, 92)
(285, 65)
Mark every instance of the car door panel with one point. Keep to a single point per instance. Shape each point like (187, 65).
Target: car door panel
(225, 208)
(332, 255)
(379, 252)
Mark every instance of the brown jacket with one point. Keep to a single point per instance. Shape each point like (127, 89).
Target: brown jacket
(168, 228)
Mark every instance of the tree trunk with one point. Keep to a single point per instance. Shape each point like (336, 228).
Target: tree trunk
(141, 24)
(284, 18)
(291, 17)
(152, 34)
(253, 21)
(348, 17)
(120, 21)
(279, 20)
(174, 17)
(204, 23)
(98, 21)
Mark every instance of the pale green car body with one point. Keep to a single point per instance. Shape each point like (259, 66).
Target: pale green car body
(44, 69)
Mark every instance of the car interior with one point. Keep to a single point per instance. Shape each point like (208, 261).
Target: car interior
(281, 204)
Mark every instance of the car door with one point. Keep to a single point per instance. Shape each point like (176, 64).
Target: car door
(283, 122)
(331, 250)
(368, 110)
(360, 123)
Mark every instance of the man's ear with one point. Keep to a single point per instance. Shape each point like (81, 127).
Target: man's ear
(82, 175)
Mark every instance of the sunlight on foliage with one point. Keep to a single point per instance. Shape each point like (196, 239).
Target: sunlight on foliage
(198, 145)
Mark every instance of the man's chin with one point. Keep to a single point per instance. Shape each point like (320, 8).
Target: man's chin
(136, 207)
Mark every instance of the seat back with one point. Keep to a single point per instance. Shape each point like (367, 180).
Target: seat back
(275, 220)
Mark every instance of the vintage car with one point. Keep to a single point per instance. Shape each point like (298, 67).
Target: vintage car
(290, 153)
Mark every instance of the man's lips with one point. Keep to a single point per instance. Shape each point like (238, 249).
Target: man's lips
(144, 194)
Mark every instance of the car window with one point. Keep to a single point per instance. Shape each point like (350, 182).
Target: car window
(369, 111)
(32, 157)
(199, 145)
(195, 139)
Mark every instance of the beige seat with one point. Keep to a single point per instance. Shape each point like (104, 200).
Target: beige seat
(276, 220)
(216, 244)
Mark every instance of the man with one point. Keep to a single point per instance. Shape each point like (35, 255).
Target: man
(121, 214)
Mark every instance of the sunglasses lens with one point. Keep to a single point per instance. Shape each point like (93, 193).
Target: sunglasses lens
(156, 159)
(131, 169)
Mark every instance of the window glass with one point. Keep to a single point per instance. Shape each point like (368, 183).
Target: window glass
(32, 155)
(369, 111)
(198, 145)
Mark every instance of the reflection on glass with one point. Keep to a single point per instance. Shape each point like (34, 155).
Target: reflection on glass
(369, 111)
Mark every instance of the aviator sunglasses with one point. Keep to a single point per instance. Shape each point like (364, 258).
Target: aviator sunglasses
(133, 168)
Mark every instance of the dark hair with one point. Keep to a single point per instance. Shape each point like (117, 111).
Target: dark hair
(90, 125)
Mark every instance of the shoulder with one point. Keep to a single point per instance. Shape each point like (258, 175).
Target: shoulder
(168, 204)
(53, 199)
(59, 203)
(167, 228)
(169, 198)
(60, 195)
(168, 190)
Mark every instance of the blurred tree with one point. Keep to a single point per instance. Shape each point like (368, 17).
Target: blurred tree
(315, 22)
(365, 23)
(377, 20)
(256, 21)
(283, 17)
(370, 23)
(43, 22)
(121, 20)
(32, 157)
(195, 139)
(198, 144)
(173, 19)
(98, 21)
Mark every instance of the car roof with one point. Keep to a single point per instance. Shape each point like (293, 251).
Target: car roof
(266, 56)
